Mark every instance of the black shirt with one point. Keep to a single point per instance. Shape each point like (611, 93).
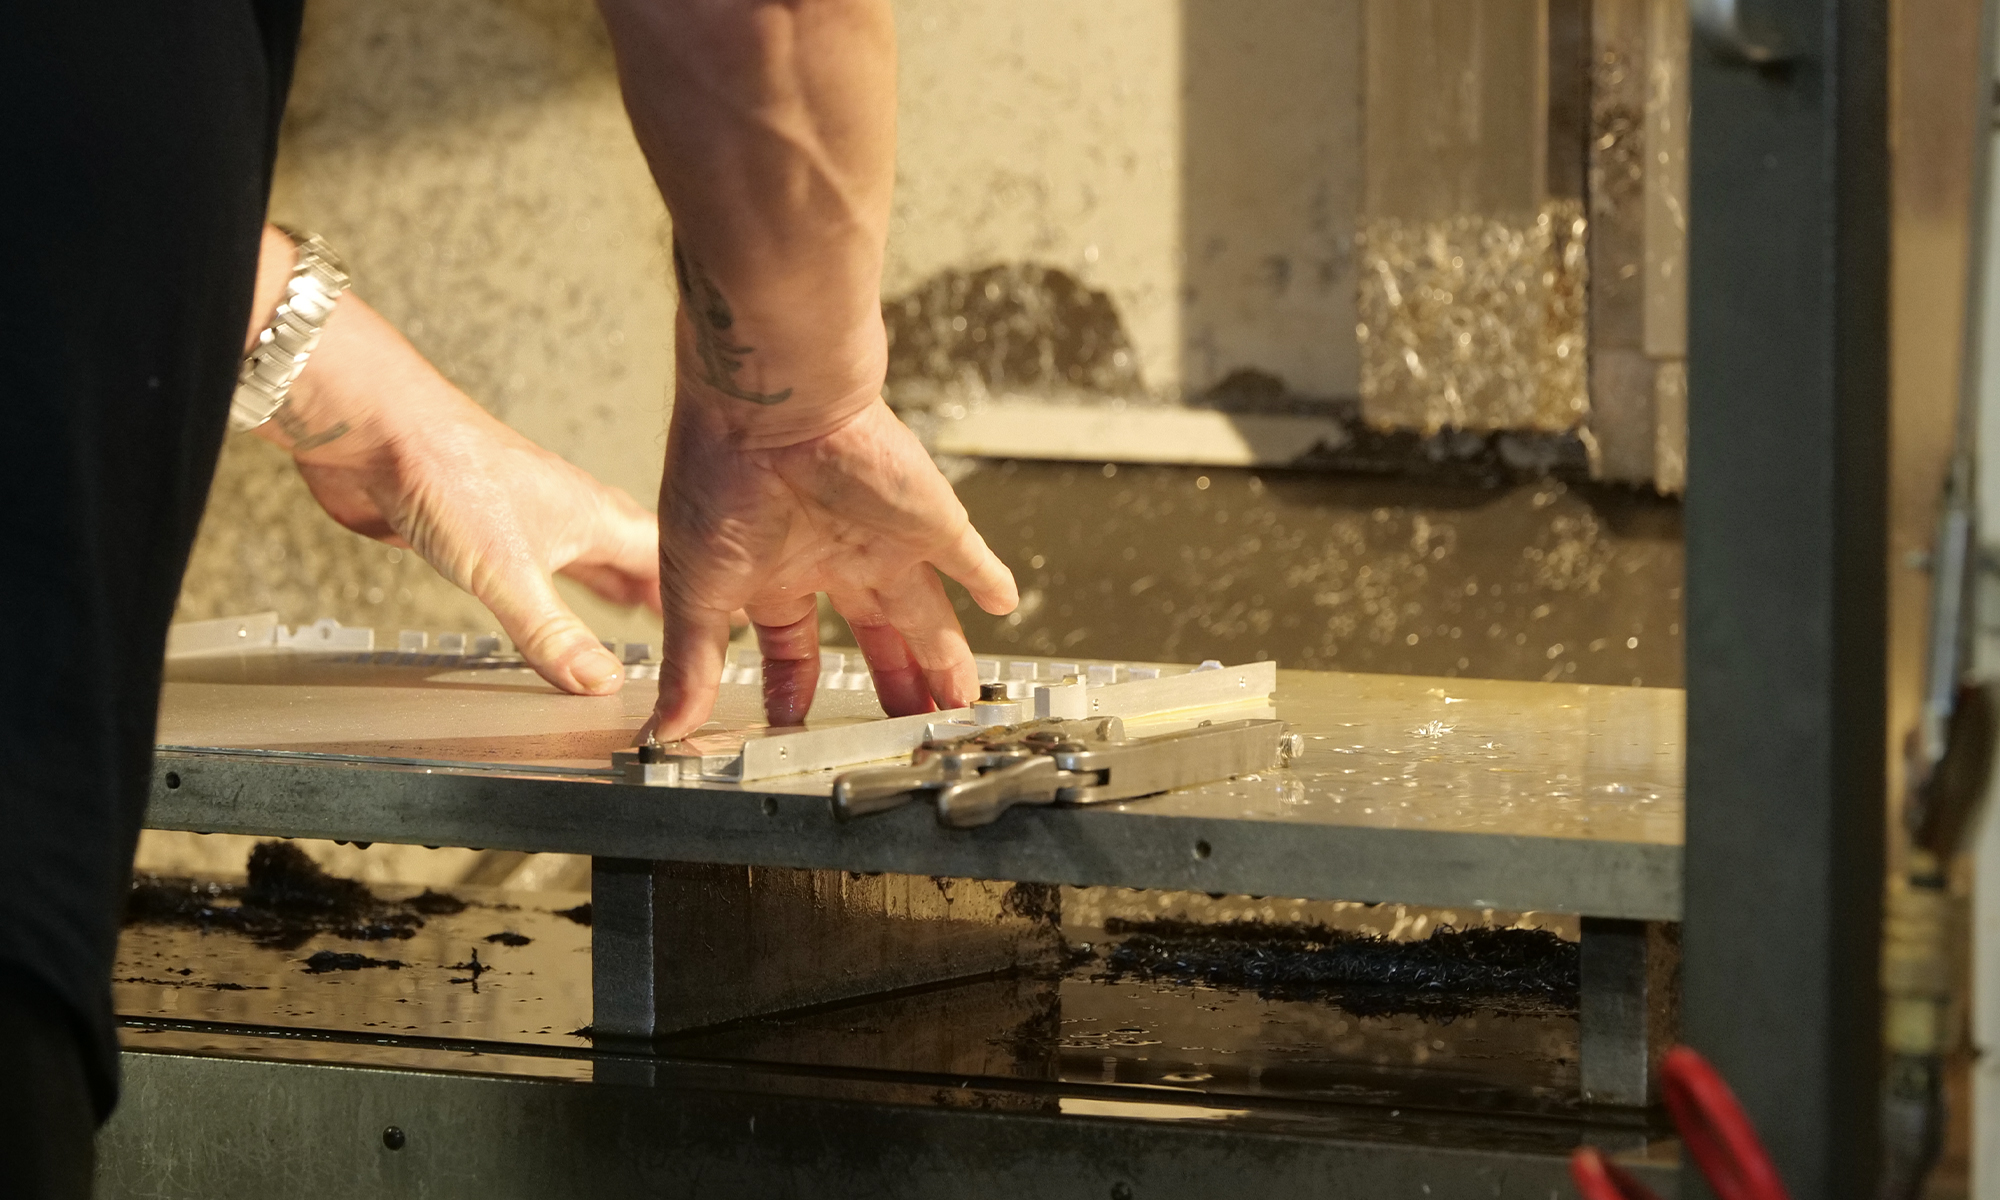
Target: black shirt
(136, 141)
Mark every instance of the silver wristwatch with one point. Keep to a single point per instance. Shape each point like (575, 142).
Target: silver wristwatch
(265, 381)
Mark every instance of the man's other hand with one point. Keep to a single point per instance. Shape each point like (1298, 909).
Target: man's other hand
(392, 450)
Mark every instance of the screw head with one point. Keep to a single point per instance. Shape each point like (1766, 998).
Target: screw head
(394, 1138)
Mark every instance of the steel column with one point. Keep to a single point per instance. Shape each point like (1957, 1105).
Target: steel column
(1786, 617)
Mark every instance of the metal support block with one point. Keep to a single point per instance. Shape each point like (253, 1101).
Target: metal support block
(621, 947)
(683, 945)
(1630, 1008)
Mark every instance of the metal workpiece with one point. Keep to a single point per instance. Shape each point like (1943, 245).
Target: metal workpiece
(623, 948)
(418, 704)
(1456, 793)
(699, 944)
(1168, 700)
(1628, 1008)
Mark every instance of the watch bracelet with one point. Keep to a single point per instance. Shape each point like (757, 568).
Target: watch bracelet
(264, 381)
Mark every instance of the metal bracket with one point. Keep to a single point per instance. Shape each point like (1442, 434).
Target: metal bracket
(1630, 1008)
(678, 945)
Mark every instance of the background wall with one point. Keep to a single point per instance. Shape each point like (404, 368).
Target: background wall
(1144, 200)
(1197, 163)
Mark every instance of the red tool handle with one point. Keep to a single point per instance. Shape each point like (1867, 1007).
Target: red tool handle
(1715, 1130)
(1713, 1127)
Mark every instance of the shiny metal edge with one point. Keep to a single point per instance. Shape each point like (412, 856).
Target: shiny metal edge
(1208, 844)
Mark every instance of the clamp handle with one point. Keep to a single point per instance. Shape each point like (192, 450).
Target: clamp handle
(981, 799)
(879, 789)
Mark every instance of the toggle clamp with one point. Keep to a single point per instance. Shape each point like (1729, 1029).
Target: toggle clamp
(972, 779)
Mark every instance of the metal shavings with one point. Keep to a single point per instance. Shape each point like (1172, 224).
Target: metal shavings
(436, 904)
(192, 983)
(335, 960)
(1474, 322)
(1451, 973)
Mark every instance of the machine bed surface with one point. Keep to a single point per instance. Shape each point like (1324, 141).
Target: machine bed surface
(1483, 793)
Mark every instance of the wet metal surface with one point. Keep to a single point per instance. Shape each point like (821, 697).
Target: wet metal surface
(1219, 1042)
(186, 988)
(1536, 580)
(533, 992)
(222, 1025)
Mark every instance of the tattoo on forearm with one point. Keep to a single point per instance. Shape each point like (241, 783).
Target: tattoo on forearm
(303, 438)
(709, 312)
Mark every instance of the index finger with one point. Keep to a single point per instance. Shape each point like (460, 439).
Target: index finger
(694, 640)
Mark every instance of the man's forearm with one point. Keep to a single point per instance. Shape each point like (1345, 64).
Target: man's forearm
(770, 128)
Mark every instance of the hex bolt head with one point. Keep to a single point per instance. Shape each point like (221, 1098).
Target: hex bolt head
(1290, 747)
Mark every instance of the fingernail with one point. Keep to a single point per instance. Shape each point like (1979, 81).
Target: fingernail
(596, 671)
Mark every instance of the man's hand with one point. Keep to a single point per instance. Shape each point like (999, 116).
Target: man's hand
(392, 450)
(770, 126)
(859, 513)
